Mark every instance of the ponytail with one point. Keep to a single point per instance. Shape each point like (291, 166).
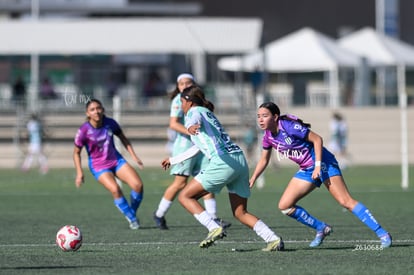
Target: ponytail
(196, 95)
(294, 118)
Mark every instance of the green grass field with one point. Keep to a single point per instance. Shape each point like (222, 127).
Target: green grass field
(33, 207)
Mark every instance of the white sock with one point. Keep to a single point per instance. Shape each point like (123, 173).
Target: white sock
(206, 220)
(264, 232)
(163, 208)
(210, 205)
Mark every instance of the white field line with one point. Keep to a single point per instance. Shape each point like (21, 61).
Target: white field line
(197, 242)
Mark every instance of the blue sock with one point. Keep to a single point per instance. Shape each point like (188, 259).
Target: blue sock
(366, 217)
(301, 215)
(136, 199)
(123, 206)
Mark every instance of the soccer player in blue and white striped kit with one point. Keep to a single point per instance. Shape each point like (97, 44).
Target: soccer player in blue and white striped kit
(227, 166)
(293, 139)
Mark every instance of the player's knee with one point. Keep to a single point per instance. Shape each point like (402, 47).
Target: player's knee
(178, 185)
(182, 197)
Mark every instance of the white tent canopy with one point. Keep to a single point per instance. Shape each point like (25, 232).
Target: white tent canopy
(305, 50)
(131, 36)
(379, 49)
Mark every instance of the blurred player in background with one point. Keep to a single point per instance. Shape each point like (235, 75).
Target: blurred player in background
(227, 167)
(35, 150)
(293, 139)
(105, 162)
(339, 139)
(183, 170)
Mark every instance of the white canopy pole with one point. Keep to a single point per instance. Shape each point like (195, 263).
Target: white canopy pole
(402, 95)
(34, 66)
(260, 96)
(117, 109)
(334, 88)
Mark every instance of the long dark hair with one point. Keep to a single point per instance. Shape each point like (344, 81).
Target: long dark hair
(274, 109)
(195, 94)
(93, 100)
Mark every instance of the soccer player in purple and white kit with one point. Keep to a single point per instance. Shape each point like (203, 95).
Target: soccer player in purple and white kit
(293, 139)
(105, 162)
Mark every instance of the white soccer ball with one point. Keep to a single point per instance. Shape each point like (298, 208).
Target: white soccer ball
(69, 238)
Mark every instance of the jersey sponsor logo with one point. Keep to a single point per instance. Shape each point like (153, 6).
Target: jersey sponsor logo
(281, 153)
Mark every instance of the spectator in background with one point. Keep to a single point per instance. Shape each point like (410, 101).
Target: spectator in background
(249, 140)
(19, 91)
(46, 90)
(339, 138)
(112, 87)
(256, 79)
(154, 86)
(35, 149)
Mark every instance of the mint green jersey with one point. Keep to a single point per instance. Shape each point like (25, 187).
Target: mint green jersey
(182, 142)
(212, 139)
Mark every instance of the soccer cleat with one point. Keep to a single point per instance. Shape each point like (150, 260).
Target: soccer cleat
(277, 245)
(134, 225)
(222, 223)
(320, 236)
(161, 223)
(213, 236)
(386, 240)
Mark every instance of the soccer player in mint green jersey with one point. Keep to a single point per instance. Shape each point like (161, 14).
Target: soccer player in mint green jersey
(293, 139)
(227, 167)
(183, 170)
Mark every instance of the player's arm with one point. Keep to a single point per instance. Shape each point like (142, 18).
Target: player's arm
(78, 166)
(189, 153)
(130, 149)
(177, 126)
(317, 147)
(261, 165)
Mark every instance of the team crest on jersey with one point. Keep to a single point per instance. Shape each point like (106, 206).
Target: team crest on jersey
(288, 140)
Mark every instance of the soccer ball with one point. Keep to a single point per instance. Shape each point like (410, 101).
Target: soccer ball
(69, 238)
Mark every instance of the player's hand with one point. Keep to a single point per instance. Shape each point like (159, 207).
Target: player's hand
(166, 163)
(316, 173)
(79, 180)
(140, 163)
(251, 183)
(194, 129)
